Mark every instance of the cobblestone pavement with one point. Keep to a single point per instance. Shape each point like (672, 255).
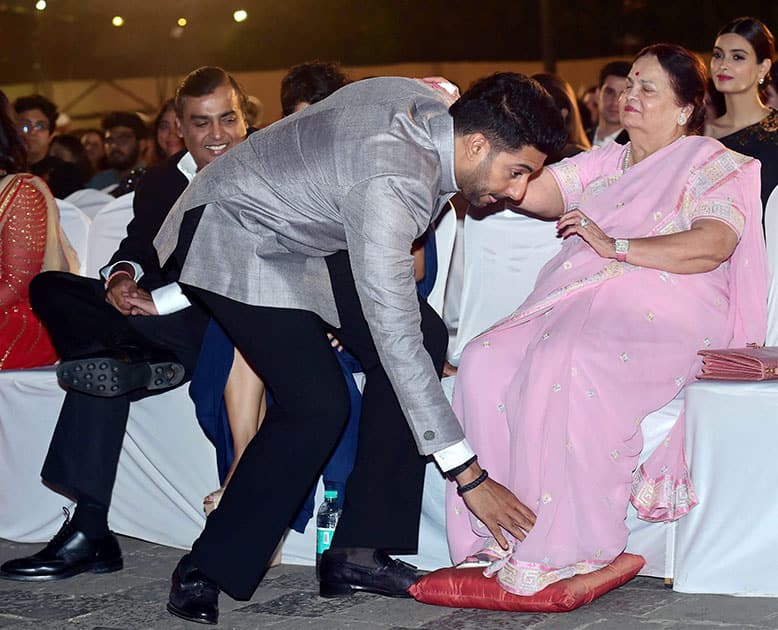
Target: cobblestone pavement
(288, 599)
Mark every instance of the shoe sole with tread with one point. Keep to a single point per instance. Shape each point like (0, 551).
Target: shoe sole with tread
(108, 377)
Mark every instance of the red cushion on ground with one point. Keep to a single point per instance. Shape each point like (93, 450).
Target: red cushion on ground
(468, 588)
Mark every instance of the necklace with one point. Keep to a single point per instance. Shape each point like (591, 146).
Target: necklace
(627, 157)
(628, 153)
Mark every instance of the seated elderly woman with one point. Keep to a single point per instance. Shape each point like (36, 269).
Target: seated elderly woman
(31, 241)
(663, 255)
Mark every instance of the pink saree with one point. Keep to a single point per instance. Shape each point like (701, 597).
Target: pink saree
(552, 397)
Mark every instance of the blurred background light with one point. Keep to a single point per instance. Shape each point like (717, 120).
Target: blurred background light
(240, 15)
(40, 5)
(181, 22)
(117, 20)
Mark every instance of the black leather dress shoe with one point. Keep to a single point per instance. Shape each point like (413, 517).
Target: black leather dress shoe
(69, 553)
(340, 578)
(192, 595)
(118, 372)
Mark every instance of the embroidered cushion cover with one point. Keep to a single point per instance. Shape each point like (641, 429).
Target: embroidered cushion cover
(468, 588)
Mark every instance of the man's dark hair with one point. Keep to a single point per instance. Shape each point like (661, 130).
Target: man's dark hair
(72, 144)
(63, 178)
(204, 81)
(614, 68)
(512, 111)
(310, 82)
(126, 119)
(36, 101)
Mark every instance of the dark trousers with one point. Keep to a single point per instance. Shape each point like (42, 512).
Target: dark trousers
(289, 349)
(84, 450)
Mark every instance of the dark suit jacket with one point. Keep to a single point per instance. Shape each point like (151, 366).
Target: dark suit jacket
(622, 138)
(154, 197)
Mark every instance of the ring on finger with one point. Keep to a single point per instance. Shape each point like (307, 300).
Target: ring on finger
(584, 222)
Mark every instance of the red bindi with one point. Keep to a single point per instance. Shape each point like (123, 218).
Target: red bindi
(637, 74)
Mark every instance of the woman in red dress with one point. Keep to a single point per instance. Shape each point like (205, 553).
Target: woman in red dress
(31, 241)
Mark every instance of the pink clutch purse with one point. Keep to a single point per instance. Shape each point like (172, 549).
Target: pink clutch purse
(753, 363)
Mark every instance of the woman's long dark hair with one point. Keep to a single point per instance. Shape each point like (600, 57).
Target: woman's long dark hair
(168, 106)
(13, 154)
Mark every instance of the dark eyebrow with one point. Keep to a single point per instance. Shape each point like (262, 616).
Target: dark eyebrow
(734, 50)
(525, 166)
(204, 117)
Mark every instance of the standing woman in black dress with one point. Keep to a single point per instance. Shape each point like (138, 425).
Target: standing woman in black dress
(740, 69)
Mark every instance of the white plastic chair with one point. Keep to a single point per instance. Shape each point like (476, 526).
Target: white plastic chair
(503, 254)
(89, 200)
(76, 226)
(727, 544)
(109, 227)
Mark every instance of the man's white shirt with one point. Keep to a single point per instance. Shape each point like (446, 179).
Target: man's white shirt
(169, 298)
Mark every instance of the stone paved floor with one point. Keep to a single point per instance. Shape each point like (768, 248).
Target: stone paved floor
(288, 599)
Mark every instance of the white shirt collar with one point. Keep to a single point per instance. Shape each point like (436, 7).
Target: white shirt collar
(187, 166)
(607, 139)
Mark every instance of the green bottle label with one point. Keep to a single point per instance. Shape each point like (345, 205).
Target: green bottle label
(323, 539)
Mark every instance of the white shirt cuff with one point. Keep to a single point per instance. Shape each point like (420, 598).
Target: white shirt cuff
(106, 271)
(169, 299)
(453, 456)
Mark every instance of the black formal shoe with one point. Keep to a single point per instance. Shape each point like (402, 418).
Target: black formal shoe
(69, 553)
(192, 595)
(117, 372)
(340, 578)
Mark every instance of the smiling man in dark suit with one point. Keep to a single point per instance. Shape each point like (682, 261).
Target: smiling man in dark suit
(130, 334)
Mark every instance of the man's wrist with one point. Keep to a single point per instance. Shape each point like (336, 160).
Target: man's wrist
(471, 473)
(132, 268)
(458, 470)
(472, 485)
(114, 274)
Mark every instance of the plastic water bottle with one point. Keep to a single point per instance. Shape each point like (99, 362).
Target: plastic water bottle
(326, 521)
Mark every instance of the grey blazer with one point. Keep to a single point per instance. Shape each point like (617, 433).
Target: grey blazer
(365, 170)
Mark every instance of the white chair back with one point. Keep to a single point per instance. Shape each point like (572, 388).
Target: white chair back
(109, 227)
(445, 233)
(503, 254)
(771, 237)
(75, 225)
(89, 200)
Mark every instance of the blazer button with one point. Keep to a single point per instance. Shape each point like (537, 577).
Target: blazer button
(429, 435)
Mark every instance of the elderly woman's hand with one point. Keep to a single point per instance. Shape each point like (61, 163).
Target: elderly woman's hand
(576, 222)
(444, 86)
